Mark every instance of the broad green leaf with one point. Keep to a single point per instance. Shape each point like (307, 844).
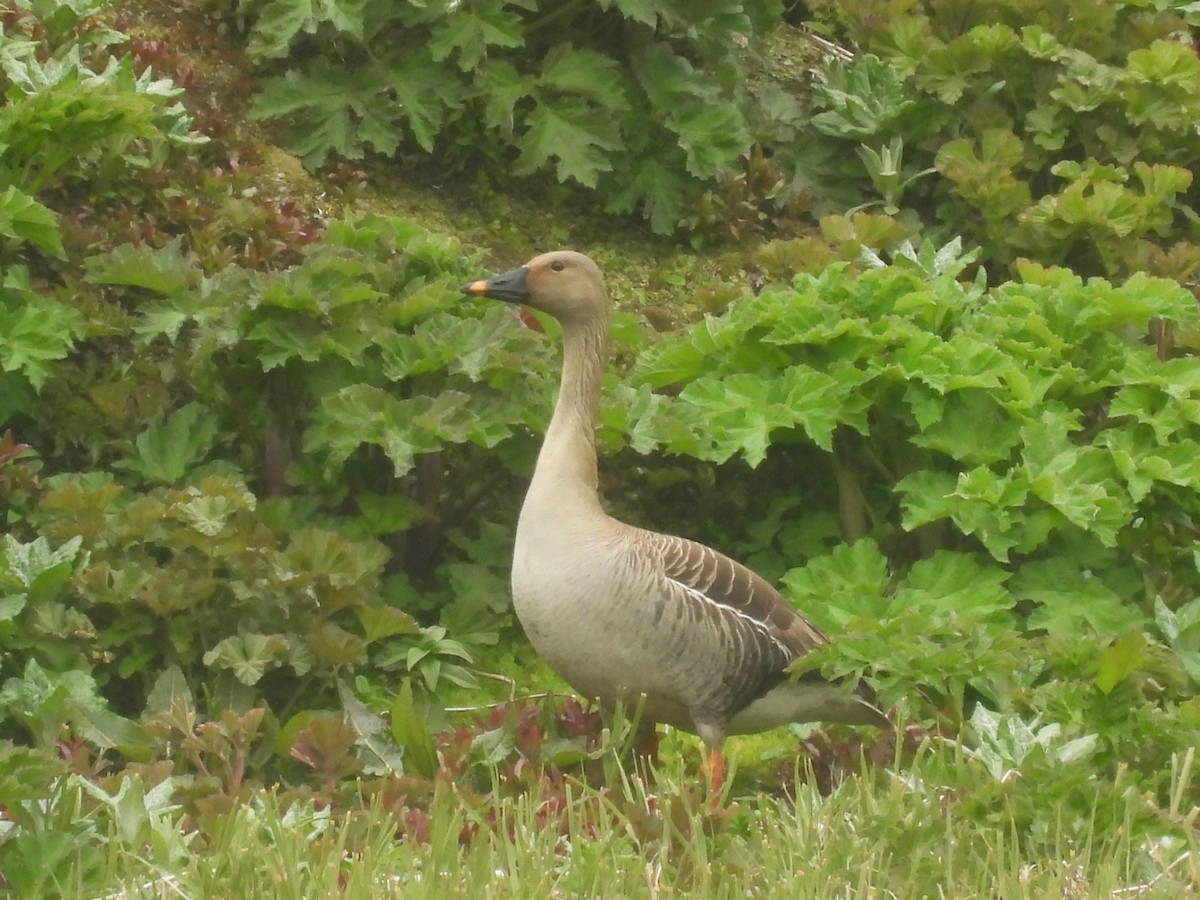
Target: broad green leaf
(43, 571)
(860, 98)
(35, 334)
(333, 646)
(109, 731)
(712, 136)
(468, 33)
(737, 414)
(24, 219)
(424, 95)
(647, 12)
(249, 656)
(1069, 599)
(668, 78)
(403, 428)
(968, 426)
(169, 688)
(411, 731)
(850, 582)
(949, 582)
(579, 72)
(173, 445)
(11, 605)
(380, 622)
(208, 515)
(322, 556)
(1122, 658)
(574, 136)
(348, 110)
(164, 270)
(373, 735)
(503, 88)
(280, 21)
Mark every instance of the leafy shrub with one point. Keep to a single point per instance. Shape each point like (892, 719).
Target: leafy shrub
(1002, 472)
(256, 573)
(63, 120)
(233, 492)
(643, 101)
(1053, 136)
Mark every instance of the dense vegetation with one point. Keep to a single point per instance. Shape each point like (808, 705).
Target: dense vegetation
(259, 465)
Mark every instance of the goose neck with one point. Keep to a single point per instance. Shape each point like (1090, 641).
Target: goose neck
(566, 467)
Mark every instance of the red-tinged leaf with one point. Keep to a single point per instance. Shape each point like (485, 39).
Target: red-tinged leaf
(325, 745)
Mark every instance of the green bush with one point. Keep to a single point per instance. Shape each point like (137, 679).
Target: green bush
(978, 480)
(1058, 132)
(645, 102)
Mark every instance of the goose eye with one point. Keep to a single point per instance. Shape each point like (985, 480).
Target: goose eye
(558, 265)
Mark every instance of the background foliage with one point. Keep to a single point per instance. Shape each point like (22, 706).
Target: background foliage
(259, 466)
(1056, 133)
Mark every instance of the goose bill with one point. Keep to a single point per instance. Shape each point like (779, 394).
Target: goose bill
(508, 286)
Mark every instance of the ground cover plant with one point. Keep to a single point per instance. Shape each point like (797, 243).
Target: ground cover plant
(259, 467)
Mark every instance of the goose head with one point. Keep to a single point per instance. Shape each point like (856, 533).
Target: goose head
(565, 284)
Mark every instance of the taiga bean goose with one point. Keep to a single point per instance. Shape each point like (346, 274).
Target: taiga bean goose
(624, 614)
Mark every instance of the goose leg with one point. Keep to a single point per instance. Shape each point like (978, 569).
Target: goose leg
(714, 768)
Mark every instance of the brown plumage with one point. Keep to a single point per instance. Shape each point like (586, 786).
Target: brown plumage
(697, 640)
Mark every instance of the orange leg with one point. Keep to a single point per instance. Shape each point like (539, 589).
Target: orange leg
(714, 767)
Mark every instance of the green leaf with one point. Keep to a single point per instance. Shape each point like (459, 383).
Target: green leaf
(655, 185)
(584, 73)
(373, 735)
(1122, 658)
(851, 581)
(424, 95)
(33, 334)
(24, 219)
(279, 21)
(970, 426)
(502, 87)
(575, 136)
(1070, 599)
(739, 413)
(110, 731)
(403, 428)
(860, 98)
(336, 109)
(170, 688)
(380, 622)
(249, 656)
(712, 136)
(410, 731)
(173, 445)
(668, 78)
(164, 270)
(468, 32)
(647, 12)
(948, 583)
(43, 572)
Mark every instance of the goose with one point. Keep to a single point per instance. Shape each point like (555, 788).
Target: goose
(660, 623)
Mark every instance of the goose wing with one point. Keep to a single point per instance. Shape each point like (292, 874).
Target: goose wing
(735, 593)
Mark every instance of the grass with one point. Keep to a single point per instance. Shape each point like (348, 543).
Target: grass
(911, 829)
